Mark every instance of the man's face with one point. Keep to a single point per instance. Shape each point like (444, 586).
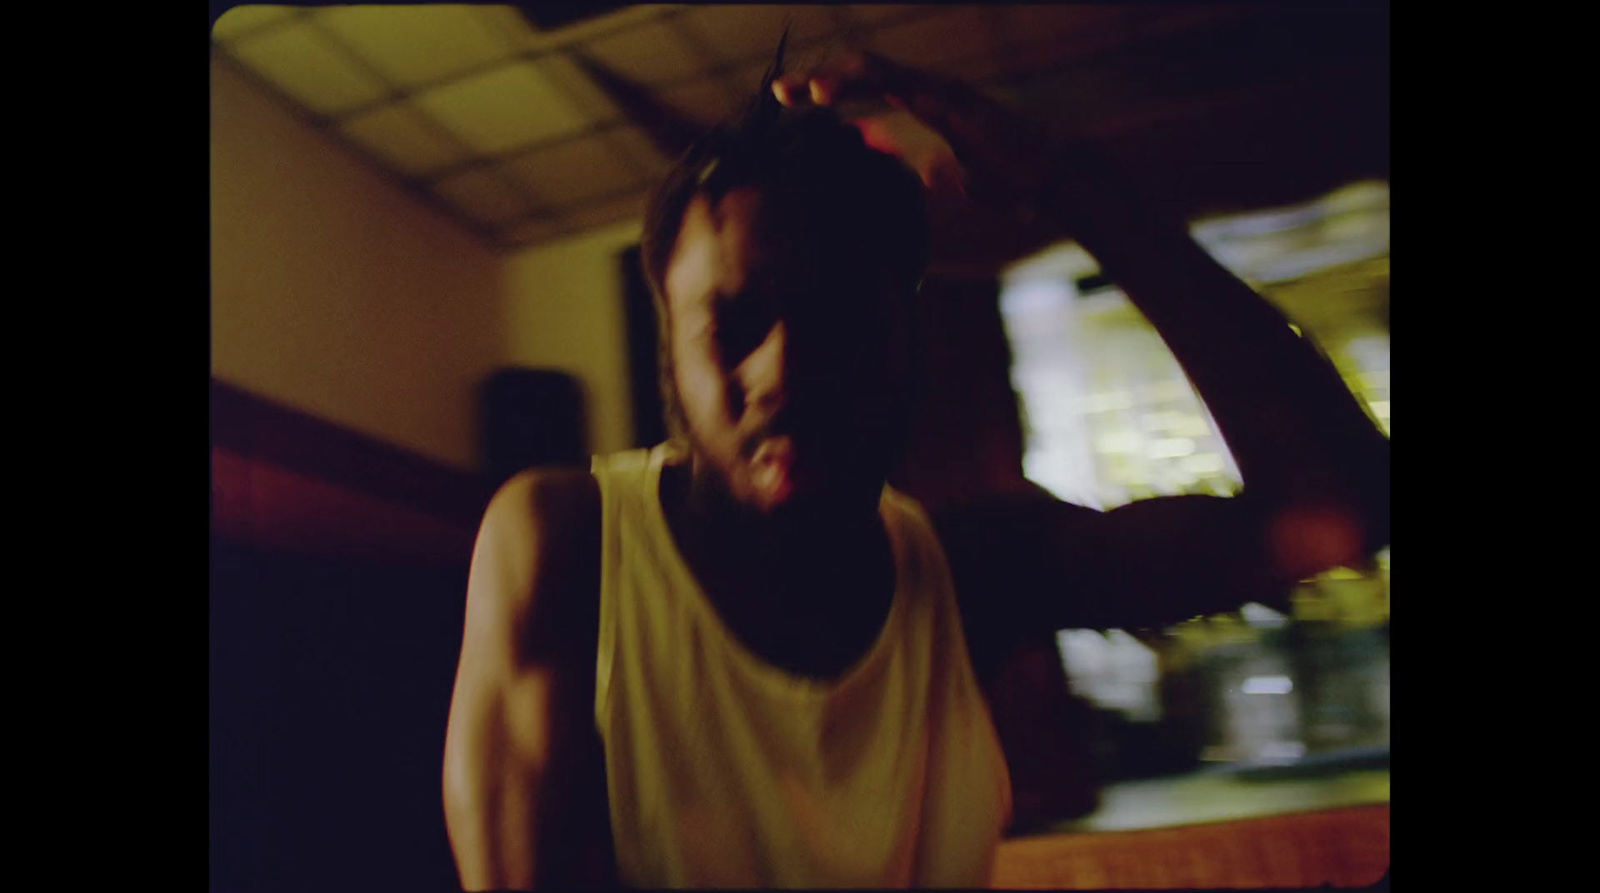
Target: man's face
(788, 362)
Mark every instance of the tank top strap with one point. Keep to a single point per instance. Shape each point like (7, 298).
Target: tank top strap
(621, 478)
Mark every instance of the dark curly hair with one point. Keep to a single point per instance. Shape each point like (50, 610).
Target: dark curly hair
(818, 170)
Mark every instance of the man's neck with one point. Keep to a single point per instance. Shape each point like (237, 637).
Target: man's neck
(782, 538)
(806, 592)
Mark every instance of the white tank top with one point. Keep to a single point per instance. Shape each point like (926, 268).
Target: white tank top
(724, 770)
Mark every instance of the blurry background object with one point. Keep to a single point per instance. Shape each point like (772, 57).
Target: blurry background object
(407, 200)
(1112, 418)
(532, 417)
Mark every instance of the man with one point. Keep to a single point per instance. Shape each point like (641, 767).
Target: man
(739, 659)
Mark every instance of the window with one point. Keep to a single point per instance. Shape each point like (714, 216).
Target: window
(1112, 418)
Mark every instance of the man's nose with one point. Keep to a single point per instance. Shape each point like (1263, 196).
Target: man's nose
(765, 373)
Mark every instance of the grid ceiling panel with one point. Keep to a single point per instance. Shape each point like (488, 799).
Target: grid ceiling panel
(242, 20)
(443, 95)
(574, 84)
(532, 232)
(504, 109)
(706, 100)
(566, 37)
(601, 213)
(739, 33)
(958, 33)
(484, 196)
(400, 135)
(572, 171)
(310, 68)
(509, 26)
(640, 152)
(649, 54)
(417, 45)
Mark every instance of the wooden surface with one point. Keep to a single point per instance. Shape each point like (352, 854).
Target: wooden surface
(1344, 847)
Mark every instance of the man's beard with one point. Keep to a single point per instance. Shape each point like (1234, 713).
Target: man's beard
(840, 480)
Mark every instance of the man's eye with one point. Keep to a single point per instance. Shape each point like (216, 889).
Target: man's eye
(740, 329)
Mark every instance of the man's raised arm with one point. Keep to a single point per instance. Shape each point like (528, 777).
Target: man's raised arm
(1315, 467)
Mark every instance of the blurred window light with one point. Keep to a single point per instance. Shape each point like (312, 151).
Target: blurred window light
(1203, 464)
(1119, 442)
(1112, 416)
(1113, 670)
(1281, 752)
(1267, 685)
(1170, 448)
(1262, 617)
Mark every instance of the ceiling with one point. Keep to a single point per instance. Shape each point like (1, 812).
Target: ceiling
(507, 128)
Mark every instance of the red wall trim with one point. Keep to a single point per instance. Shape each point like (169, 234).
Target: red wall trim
(259, 429)
(282, 479)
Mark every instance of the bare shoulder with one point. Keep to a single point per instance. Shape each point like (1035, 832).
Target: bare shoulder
(520, 745)
(547, 500)
(535, 567)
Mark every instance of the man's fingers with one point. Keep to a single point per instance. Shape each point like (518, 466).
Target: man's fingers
(948, 107)
(790, 90)
(824, 90)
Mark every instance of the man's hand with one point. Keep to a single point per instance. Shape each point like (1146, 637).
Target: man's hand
(1006, 158)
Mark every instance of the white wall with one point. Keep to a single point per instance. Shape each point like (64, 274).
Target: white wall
(336, 292)
(564, 309)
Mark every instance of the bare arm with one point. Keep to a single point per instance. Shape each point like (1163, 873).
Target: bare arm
(1313, 464)
(1315, 468)
(519, 756)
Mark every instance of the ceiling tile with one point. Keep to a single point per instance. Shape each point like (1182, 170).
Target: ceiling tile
(705, 100)
(738, 33)
(532, 232)
(509, 27)
(649, 54)
(574, 170)
(1071, 29)
(300, 61)
(577, 86)
(241, 20)
(503, 109)
(630, 207)
(532, 38)
(400, 135)
(958, 33)
(484, 196)
(640, 152)
(417, 45)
